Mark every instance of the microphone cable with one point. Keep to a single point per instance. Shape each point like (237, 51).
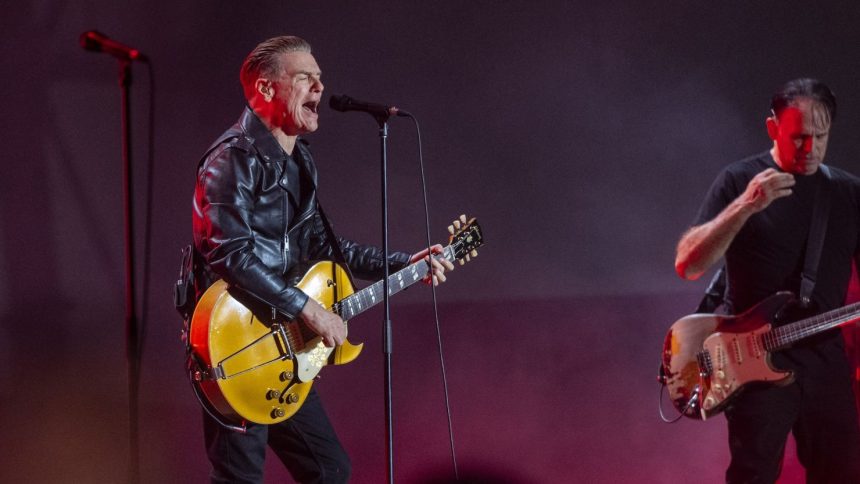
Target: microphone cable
(433, 292)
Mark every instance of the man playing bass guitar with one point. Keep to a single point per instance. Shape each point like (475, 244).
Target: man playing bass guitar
(757, 216)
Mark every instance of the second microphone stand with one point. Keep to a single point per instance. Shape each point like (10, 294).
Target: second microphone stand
(131, 324)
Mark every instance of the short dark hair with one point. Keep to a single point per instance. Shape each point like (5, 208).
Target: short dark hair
(805, 87)
(263, 60)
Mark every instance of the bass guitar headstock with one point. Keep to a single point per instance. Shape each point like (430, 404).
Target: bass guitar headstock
(466, 237)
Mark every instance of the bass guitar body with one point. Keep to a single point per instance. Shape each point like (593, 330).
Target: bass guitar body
(708, 358)
(255, 367)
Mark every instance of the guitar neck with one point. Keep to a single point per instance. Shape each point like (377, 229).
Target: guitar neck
(784, 336)
(370, 296)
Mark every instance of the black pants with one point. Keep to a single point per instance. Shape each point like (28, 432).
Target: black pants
(306, 443)
(819, 408)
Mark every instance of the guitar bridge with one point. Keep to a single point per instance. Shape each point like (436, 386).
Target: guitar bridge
(284, 345)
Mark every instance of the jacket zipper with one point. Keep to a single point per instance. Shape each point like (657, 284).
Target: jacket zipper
(305, 217)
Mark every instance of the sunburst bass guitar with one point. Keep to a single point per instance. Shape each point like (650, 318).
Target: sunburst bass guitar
(248, 365)
(709, 358)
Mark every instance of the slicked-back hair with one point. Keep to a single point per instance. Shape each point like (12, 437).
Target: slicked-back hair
(804, 88)
(263, 61)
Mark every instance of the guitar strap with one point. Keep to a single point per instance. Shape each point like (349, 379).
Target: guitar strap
(335, 247)
(715, 293)
(815, 242)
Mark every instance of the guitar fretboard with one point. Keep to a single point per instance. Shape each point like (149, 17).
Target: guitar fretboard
(371, 295)
(784, 336)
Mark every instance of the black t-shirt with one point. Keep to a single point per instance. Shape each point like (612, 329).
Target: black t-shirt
(768, 253)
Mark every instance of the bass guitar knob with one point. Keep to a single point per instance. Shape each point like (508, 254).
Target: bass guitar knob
(292, 398)
(273, 394)
(278, 412)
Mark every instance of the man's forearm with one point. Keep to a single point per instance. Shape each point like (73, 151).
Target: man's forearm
(703, 245)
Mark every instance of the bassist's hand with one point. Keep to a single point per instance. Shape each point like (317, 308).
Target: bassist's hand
(766, 187)
(324, 323)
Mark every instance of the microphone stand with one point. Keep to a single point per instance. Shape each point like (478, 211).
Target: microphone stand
(382, 119)
(131, 330)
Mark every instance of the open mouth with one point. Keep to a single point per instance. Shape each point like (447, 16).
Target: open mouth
(311, 106)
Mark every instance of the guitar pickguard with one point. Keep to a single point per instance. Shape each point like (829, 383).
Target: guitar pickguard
(736, 358)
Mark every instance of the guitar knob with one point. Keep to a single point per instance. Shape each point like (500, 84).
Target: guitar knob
(286, 375)
(721, 374)
(292, 398)
(709, 403)
(273, 394)
(278, 412)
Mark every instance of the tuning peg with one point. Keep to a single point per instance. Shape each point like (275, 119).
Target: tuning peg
(462, 262)
(468, 258)
(463, 218)
(457, 224)
(451, 229)
(474, 253)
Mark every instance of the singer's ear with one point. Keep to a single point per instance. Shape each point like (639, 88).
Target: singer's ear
(264, 87)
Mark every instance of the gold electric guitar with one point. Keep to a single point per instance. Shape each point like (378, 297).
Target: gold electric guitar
(248, 364)
(709, 358)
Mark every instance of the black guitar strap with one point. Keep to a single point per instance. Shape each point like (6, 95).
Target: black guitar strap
(815, 242)
(715, 293)
(335, 247)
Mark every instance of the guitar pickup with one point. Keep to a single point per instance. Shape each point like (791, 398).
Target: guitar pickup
(703, 358)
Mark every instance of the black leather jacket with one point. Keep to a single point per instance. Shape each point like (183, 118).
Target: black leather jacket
(249, 232)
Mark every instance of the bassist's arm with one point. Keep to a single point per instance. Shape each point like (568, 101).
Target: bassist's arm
(703, 245)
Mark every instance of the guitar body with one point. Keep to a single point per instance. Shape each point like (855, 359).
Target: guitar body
(708, 358)
(247, 365)
(256, 369)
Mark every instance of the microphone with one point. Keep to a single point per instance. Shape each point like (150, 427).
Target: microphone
(345, 103)
(96, 41)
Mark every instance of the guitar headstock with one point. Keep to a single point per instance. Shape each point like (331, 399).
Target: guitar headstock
(465, 238)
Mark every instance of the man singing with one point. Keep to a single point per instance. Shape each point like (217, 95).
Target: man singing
(256, 216)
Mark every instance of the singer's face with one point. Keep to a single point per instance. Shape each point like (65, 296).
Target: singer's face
(297, 93)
